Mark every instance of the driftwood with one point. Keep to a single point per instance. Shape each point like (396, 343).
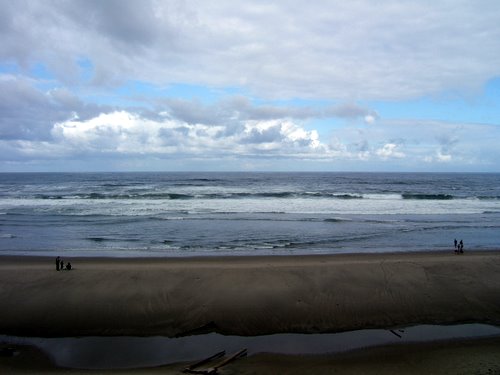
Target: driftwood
(395, 333)
(213, 370)
(204, 361)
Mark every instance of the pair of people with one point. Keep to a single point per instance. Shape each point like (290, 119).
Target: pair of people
(60, 265)
(459, 247)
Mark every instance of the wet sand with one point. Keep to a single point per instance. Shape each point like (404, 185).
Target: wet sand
(451, 357)
(247, 295)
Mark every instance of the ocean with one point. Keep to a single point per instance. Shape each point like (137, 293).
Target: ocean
(207, 214)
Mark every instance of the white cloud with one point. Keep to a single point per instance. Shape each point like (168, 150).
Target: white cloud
(389, 150)
(127, 133)
(370, 119)
(129, 138)
(443, 158)
(438, 158)
(420, 144)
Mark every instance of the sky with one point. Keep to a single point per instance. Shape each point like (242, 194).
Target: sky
(292, 85)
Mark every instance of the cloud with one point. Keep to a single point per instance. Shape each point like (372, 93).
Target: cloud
(28, 113)
(19, 110)
(352, 111)
(421, 144)
(55, 123)
(127, 133)
(122, 22)
(263, 134)
(239, 108)
(324, 49)
(131, 137)
(389, 150)
(66, 58)
(370, 119)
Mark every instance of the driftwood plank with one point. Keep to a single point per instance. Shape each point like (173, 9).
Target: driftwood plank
(204, 361)
(241, 353)
(395, 333)
(213, 370)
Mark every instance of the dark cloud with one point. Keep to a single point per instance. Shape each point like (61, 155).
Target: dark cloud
(5, 17)
(131, 23)
(173, 136)
(194, 112)
(448, 142)
(239, 108)
(248, 111)
(27, 113)
(269, 135)
(350, 111)
(14, 42)
(361, 146)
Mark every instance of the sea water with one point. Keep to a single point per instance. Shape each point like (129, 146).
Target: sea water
(204, 214)
(134, 352)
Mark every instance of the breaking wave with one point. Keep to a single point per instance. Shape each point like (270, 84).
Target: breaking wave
(249, 195)
(173, 196)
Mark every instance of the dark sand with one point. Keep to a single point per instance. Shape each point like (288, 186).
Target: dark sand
(262, 295)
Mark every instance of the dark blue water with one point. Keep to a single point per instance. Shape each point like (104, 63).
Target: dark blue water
(187, 214)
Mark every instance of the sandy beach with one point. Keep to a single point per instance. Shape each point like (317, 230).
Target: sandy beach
(247, 295)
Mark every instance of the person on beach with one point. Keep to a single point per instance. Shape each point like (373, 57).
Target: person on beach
(58, 260)
(456, 243)
(62, 265)
(68, 266)
(461, 245)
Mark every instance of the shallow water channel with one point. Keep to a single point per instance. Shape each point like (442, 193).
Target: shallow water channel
(133, 352)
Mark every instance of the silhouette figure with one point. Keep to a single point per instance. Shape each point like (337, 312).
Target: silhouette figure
(68, 266)
(58, 260)
(461, 246)
(62, 265)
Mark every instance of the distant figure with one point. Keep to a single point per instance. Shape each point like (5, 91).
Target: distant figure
(456, 246)
(68, 266)
(461, 246)
(58, 260)
(62, 265)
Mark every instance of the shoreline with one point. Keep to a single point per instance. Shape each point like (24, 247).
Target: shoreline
(165, 255)
(93, 257)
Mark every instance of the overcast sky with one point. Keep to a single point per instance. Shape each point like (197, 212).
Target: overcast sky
(249, 85)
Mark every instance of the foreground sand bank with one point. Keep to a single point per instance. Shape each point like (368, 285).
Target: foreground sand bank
(247, 295)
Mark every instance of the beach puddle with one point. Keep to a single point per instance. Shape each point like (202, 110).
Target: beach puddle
(135, 352)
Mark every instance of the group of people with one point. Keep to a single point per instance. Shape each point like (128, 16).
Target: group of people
(459, 247)
(60, 265)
